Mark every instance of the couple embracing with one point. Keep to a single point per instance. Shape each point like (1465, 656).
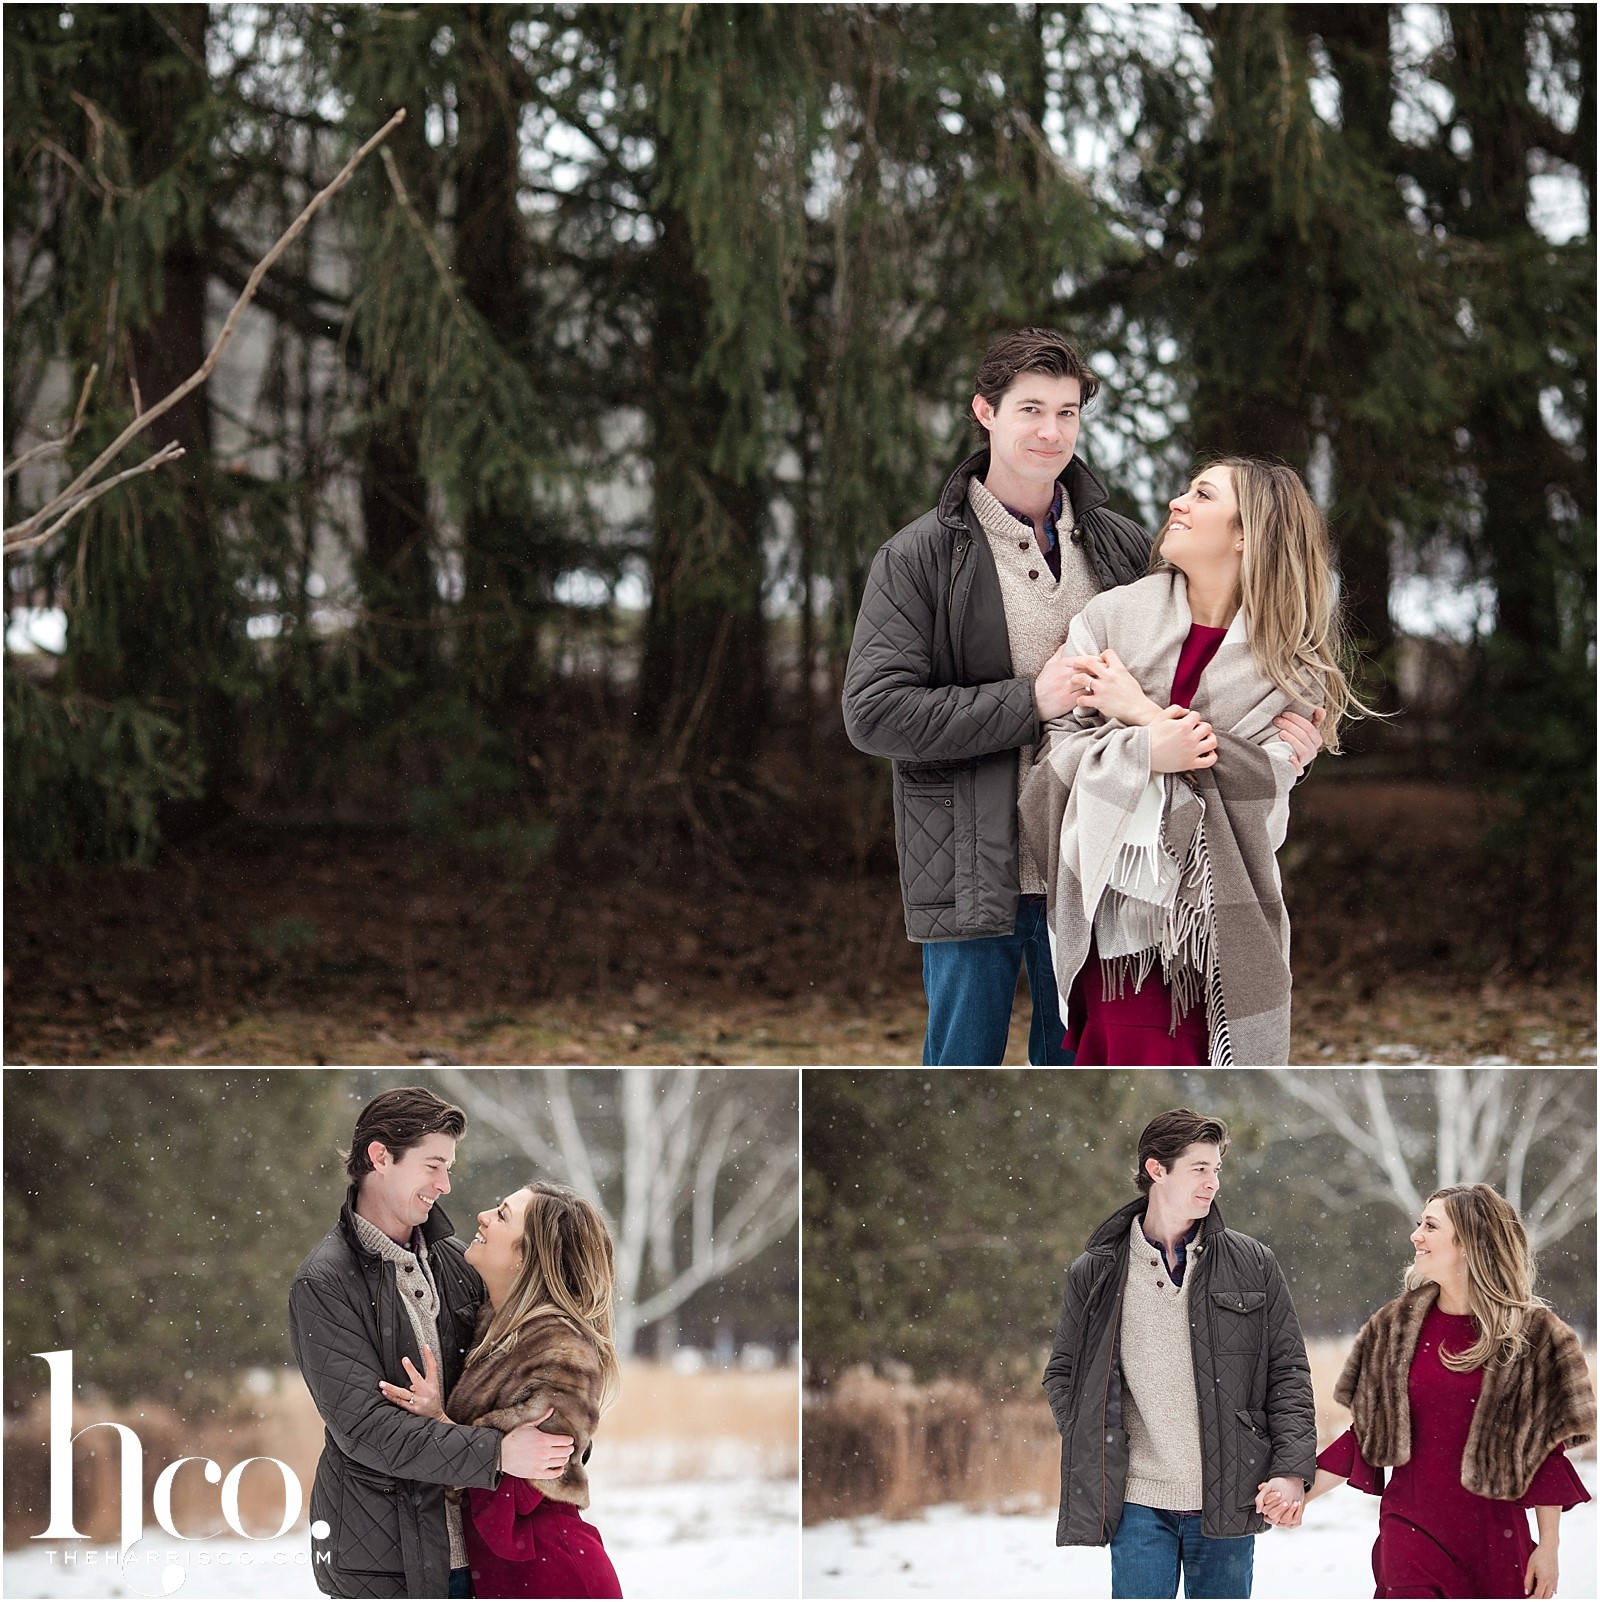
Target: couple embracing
(460, 1386)
(1180, 1385)
(1094, 736)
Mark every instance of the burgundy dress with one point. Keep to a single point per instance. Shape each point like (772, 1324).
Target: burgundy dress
(522, 1543)
(1134, 1029)
(1435, 1538)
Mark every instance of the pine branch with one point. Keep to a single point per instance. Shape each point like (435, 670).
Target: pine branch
(26, 534)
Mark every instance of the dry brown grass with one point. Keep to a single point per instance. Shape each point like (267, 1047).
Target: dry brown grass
(889, 1447)
(665, 1426)
(718, 1425)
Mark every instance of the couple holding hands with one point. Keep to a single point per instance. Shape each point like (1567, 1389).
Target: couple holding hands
(1180, 1385)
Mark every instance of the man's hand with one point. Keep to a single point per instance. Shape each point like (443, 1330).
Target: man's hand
(530, 1454)
(1113, 691)
(1281, 1501)
(1540, 1580)
(1059, 686)
(1302, 736)
(1181, 741)
(422, 1395)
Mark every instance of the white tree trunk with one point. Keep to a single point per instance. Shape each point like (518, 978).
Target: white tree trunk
(1463, 1126)
(692, 1177)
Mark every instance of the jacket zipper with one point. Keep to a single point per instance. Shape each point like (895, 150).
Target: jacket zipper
(1211, 1331)
(1116, 1327)
(955, 572)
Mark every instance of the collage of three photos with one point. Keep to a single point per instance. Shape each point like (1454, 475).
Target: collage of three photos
(777, 1333)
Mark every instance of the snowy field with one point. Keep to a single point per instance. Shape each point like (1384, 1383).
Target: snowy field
(703, 1539)
(951, 1552)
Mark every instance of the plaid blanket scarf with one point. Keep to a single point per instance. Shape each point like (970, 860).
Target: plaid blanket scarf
(1176, 868)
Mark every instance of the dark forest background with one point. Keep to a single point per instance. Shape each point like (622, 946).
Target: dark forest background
(519, 537)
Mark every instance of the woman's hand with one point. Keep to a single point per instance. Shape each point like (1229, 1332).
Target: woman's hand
(1542, 1573)
(1282, 1500)
(1111, 690)
(1287, 1512)
(1540, 1580)
(422, 1396)
(1181, 741)
(1302, 736)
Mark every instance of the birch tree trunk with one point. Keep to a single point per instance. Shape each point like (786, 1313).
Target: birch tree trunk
(695, 1172)
(1529, 1133)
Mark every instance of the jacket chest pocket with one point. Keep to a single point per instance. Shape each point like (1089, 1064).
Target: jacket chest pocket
(927, 833)
(1236, 1318)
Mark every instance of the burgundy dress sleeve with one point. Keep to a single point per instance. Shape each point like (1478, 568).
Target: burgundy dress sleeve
(1344, 1458)
(1556, 1484)
(502, 1518)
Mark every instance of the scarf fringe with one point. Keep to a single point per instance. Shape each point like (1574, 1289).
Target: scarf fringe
(1121, 973)
(1179, 937)
(1221, 1047)
(1137, 874)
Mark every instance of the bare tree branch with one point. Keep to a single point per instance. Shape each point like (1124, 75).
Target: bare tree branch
(26, 533)
(581, 1168)
(1487, 1126)
(681, 1164)
(1391, 1153)
(1571, 1190)
(169, 452)
(494, 1112)
(1527, 1130)
(52, 447)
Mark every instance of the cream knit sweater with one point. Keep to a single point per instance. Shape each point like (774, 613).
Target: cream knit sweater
(1159, 1404)
(1039, 610)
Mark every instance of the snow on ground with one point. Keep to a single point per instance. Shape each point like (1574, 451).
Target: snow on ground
(951, 1552)
(701, 1539)
(704, 1540)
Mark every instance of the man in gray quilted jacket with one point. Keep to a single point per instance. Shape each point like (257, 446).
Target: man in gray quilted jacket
(1178, 1380)
(388, 1284)
(955, 666)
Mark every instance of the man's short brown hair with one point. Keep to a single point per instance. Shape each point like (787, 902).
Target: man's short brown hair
(1170, 1134)
(400, 1119)
(1031, 350)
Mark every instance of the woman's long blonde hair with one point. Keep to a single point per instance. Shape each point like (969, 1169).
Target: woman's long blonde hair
(568, 1268)
(1286, 590)
(1500, 1273)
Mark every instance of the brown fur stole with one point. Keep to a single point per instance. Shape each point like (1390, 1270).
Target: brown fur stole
(1526, 1408)
(553, 1362)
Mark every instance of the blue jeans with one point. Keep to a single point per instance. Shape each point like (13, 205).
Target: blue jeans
(971, 984)
(1151, 1545)
(460, 1582)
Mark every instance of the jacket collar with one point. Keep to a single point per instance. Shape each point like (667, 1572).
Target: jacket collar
(1083, 487)
(436, 1226)
(1116, 1231)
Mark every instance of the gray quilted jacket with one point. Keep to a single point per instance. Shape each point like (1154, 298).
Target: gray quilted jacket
(381, 1479)
(929, 685)
(1257, 1419)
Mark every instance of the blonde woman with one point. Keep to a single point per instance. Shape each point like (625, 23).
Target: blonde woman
(543, 1350)
(1164, 794)
(1461, 1393)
